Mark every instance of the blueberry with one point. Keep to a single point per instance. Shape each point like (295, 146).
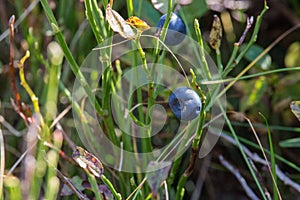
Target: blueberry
(185, 103)
(176, 30)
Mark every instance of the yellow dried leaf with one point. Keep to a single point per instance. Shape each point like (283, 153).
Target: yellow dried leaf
(137, 23)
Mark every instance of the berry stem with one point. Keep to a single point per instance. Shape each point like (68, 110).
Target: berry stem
(146, 142)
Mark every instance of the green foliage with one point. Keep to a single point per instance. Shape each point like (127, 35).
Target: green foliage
(290, 143)
(60, 43)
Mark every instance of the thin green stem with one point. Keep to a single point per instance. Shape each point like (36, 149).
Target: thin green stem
(199, 132)
(94, 185)
(111, 187)
(196, 140)
(255, 33)
(195, 146)
(180, 188)
(234, 61)
(146, 142)
(105, 2)
(250, 76)
(74, 66)
(54, 72)
(231, 61)
(40, 170)
(273, 162)
(164, 30)
(202, 53)
(219, 60)
(174, 169)
(243, 153)
(94, 14)
(129, 7)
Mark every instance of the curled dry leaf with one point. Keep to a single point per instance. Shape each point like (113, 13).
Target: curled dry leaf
(88, 161)
(137, 23)
(118, 24)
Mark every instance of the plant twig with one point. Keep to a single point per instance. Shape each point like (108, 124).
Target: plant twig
(166, 189)
(264, 155)
(234, 61)
(21, 158)
(16, 102)
(244, 155)
(239, 177)
(26, 12)
(73, 64)
(281, 37)
(260, 179)
(11, 62)
(202, 54)
(253, 156)
(9, 127)
(249, 25)
(72, 187)
(34, 98)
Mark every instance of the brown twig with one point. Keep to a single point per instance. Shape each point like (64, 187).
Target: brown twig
(16, 102)
(249, 25)
(72, 187)
(256, 158)
(260, 179)
(262, 151)
(239, 177)
(190, 168)
(60, 152)
(11, 62)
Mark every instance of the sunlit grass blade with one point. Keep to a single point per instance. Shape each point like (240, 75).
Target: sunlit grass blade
(273, 162)
(243, 153)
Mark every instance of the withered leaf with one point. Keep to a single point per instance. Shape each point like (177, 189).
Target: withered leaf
(137, 23)
(88, 161)
(118, 24)
(215, 35)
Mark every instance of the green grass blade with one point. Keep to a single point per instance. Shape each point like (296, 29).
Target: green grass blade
(272, 154)
(243, 153)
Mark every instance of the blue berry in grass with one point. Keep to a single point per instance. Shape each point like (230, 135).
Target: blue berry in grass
(176, 30)
(185, 103)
